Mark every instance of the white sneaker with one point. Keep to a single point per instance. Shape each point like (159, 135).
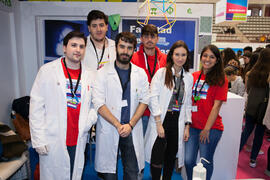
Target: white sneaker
(252, 163)
(261, 152)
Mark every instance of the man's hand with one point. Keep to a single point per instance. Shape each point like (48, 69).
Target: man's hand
(43, 150)
(125, 130)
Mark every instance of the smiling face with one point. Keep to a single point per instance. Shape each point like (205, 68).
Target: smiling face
(179, 57)
(98, 29)
(74, 50)
(208, 60)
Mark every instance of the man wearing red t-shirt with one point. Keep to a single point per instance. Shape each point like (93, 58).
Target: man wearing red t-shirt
(60, 114)
(150, 58)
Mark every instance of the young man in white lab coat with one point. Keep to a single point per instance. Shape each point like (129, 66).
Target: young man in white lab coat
(60, 113)
(100, 50)
(120, 94)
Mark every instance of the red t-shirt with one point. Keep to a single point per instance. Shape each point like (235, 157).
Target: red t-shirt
(139, 60)
(73, 106)
(208, 95)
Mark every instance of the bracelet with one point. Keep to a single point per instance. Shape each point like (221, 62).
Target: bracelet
(187, 123)
(130, 126)
(158, 121)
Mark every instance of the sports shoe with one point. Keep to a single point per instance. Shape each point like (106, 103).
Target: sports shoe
(261, 152)
(252, 163)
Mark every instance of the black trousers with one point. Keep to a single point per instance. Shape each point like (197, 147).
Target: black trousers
(164, 149)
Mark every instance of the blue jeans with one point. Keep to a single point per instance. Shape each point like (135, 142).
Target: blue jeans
(207, 150)
(129, 161)
(258, 136)
(145, 120)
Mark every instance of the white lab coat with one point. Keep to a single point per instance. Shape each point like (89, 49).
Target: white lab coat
(107, 91)
(90, 57)
(48, 121)
(159, 101)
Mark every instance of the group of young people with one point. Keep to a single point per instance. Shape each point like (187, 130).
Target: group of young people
(106, 83)
(248, 75)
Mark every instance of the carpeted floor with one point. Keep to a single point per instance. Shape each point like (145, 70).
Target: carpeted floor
(244, 171)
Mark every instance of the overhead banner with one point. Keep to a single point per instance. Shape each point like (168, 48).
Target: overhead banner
(236, 10)
(231, 10)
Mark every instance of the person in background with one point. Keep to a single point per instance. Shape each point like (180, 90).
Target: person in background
(266, 122)
(100, 50)
(210, 88)
(237, 84)
(120, 95)
(246, 58)
(61, 113)
(170, 106)
(256, 87)
(239, 54)
(227, 55)
(248, 49)
(150, 58)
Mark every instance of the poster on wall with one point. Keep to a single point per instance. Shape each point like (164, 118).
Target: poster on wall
(184, 30)
(56, 30)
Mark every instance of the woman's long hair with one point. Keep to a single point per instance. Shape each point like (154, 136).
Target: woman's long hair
(169, 75)
(228, 55)
(259, 73)
(216, 75)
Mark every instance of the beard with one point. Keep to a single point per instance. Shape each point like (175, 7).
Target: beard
(125, 60)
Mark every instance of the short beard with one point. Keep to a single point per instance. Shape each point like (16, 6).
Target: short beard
(122, 61)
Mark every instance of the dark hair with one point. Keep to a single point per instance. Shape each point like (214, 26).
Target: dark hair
(247, 54)
(248, 48)
(73, 34)
(228, 55)
(216, 75)
(258, 49)
(126, 37)
(96, 14)
(230, 70)
(253, 59)
(149, 29)
(259, 73)
(169, 75)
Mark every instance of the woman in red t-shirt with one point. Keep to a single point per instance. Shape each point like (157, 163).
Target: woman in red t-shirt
(210, 89)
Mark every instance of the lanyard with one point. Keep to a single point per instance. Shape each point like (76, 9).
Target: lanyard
(102, 54)
(175, 89)
(73, 93)
(148, 67)
(124, 86)
(197, 97)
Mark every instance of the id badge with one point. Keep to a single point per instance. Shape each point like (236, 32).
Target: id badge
(194, 108)
(72, 104)
(124, 103)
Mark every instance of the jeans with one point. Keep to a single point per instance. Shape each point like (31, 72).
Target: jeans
(258, 136)
(129, 161)
(207, 150)
(71, 152)
(145, 120)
